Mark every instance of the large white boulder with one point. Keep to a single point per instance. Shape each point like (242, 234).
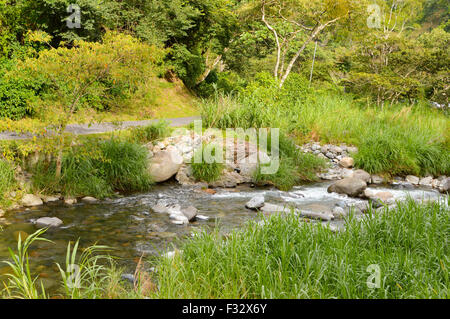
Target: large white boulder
(48, 222)
(190, 212)
(426, 181)
(412, 179)
(255, 203)
(347, 162)
(350, 186)
(30, 200)
(165, 164)
(445, 185)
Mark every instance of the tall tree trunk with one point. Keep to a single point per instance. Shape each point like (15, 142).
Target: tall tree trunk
(277, 40)
(313, 36)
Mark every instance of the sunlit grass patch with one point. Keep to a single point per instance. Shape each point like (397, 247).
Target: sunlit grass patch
(288, 258)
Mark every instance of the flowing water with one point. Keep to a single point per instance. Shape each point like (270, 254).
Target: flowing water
(129, 226)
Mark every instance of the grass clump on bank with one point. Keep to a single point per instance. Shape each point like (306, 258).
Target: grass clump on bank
(401, 153)
(396, 139)
(206, 170)
(7, 180)
(288, 258)
(124, 165)
(150, 132)
(96, 169)
(294, 166)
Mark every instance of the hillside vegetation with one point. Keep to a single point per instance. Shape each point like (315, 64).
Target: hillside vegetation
(374, 74)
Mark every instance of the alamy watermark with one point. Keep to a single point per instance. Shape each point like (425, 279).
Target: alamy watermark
(74, 20)
(74, 278)
(374, 19)
(374, 279)
(263, 141)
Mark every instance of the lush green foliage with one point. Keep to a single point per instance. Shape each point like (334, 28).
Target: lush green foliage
(396, 69)
(149, 133)
(96, 75)
(295, 166)
(7, 180)
(402, 58)
(204, 170)
(16, 95)
(96, 169)
(116, 73)
(396, 140)
(288, 258)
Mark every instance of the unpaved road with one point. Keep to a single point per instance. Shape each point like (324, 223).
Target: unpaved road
(84, 129)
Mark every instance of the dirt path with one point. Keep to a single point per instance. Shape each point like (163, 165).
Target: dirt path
(84, 129)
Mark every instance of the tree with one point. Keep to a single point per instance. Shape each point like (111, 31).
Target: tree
(295, 24)
(386, 61)
(89, 71)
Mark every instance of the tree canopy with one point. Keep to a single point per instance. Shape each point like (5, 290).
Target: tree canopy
(382, 50)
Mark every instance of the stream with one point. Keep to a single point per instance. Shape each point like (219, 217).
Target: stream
(128, 224)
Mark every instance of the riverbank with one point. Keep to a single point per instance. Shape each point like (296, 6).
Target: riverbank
(288, 258)
(402, 139)
(108, 165)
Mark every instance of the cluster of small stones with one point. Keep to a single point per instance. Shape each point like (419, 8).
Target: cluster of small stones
(178, 215)
(442, 183)
(28, 201)
(328, 151)
(185, 144)
(339, 158)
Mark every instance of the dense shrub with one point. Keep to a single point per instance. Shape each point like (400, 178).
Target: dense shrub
(203, 171)
(96, 169)
(93, 75)
(7, 180)
(17, 93)
(13, 100)
(224, 82)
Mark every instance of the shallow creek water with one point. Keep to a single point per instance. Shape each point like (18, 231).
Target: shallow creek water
(129, 226)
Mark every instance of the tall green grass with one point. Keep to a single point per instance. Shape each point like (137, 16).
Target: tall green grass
(7, 179)
(96, 169)
(288, 258)
(124, 165)
(204, 171)
(295, 166)
(399, 139)
(21, 283)
(149, 133)
(86, 275)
